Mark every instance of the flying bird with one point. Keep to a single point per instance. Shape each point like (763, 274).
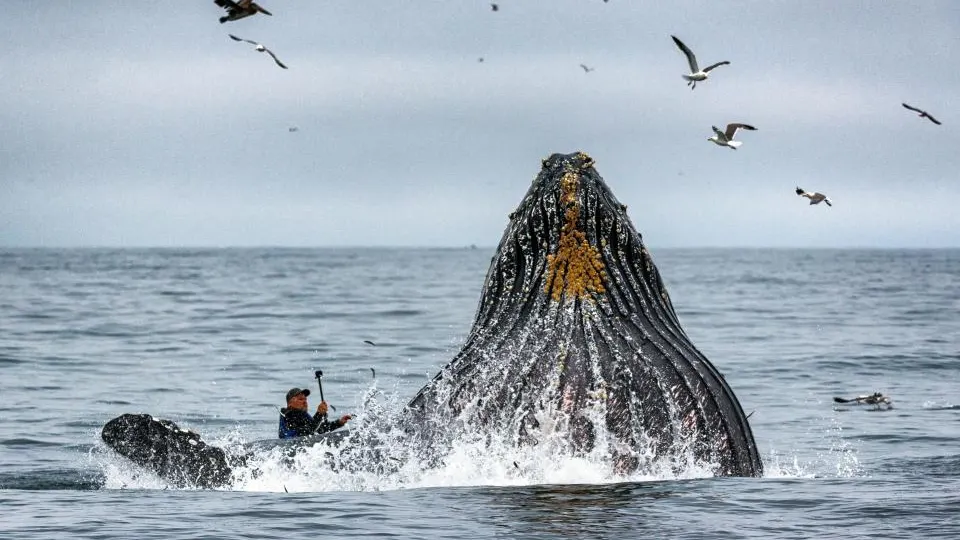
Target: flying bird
(587, 69)
(368, 342)
(240, 9)
(923, 114)
(696, 74)
(815, 198)
(725, 138)
(494, 7)
(260, 48)
(293, 129)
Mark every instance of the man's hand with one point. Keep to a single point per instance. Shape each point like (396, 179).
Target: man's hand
(322, 408)
(345, 418)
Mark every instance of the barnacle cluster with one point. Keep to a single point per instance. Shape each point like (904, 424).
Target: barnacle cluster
(576, 268)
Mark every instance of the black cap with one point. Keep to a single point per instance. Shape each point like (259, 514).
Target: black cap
(294, 391)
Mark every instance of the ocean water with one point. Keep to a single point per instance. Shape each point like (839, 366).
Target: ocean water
(212, 339)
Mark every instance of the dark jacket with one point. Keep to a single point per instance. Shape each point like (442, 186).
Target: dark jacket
(297, 423)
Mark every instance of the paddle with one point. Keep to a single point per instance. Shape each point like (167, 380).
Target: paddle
(319, 375)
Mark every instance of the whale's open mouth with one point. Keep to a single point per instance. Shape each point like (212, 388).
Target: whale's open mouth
(575, 329)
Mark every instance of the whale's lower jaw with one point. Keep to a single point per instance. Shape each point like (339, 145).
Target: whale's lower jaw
(576, 330)
(176, 455)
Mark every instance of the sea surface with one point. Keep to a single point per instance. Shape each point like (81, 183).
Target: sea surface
(213, 338)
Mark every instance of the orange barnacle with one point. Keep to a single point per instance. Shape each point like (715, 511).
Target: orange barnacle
(576, 268)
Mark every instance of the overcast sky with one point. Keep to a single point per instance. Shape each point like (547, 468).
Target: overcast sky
(130, 123)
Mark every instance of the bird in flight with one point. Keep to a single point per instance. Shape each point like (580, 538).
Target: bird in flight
(240, 9)
(696, 74)
(923, 114)
(587, 69)
(725, 138)
(260, 48)
(494, 7)
(815, 198)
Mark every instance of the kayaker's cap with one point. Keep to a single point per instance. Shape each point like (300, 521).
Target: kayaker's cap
(294, 391)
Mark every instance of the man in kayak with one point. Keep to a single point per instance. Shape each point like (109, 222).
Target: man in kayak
(295, 421)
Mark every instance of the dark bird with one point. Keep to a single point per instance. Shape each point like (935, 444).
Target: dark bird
(725, 138)
(260, 48)
(923, 114)
(587, 69)
(368, 342)
(374, 372)
(696, 74)
(815, 198)
(293, 129)
(480, 59)
(239, 10)
(494, 7)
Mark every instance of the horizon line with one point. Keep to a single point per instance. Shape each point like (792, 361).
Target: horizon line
(446, 247)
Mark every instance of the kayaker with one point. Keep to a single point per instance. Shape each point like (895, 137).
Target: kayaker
(295, 421)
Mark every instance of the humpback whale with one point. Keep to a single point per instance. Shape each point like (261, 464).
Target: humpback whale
(575, 329)
(575, 343)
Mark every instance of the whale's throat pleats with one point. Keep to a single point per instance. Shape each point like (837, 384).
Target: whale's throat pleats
(576, 344)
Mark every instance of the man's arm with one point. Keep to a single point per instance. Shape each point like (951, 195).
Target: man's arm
(323, 425)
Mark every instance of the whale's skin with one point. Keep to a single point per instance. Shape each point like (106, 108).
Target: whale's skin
(177, 455)
(182, 459)
(574, 324)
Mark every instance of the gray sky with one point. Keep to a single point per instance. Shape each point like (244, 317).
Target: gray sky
(130, 123)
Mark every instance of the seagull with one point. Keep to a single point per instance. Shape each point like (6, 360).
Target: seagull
(923, 114)
(293, 129)
(587, 69)
(815, 198)
(696, 74)
(726, 138)
(240, 9)
(260, 48)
